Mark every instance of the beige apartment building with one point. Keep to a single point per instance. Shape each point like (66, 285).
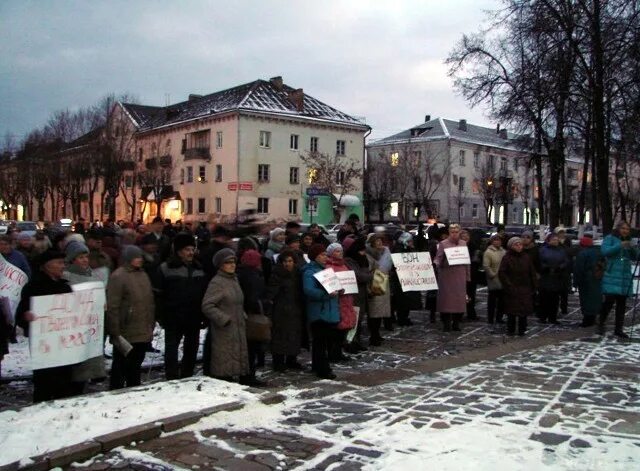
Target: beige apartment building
(237, 150)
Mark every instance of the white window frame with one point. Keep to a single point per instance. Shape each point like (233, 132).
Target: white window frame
(294, 175)
(341, 147)
(218, 201)
(461, 184)
(474, 211)
(313, 144)
(189, 174)
(462, 158)
(204, 205)
(202, 173)
(340, 177)
(218, 172)
(264, 170)
(219, 139)
(476, 160)
(293, 207)
(189, 206)
(293, 141)
(265, 139)
(262, 202)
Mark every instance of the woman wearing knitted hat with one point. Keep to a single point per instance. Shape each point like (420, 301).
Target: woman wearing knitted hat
(277, 238)
(130, 318)
(223, 305)
(78, 271)
(335, 261)
(323, 312)
(554, 266)
(356, 258)
(518, 278)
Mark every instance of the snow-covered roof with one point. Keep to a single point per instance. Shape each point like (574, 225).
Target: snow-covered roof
(441, 128)
(272, 97)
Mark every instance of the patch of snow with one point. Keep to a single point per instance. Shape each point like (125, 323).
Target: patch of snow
(52, 425)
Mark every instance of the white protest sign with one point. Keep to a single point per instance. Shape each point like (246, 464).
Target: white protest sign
(102, 273)
(68, 327)
(415, 271)
(328, 280)
(352, 333)
(458, 255)
(348, 281)
(12, 280)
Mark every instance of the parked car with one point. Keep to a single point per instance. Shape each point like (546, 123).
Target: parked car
(27, 227)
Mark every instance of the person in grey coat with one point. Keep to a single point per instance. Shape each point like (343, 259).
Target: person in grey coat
(223, 306)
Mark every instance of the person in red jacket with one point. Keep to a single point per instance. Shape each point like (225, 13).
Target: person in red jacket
(348, 318)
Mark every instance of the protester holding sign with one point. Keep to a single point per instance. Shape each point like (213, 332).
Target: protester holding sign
(55, 382)
(79, 271)
(403, 300)
(379, 303)
(130, 318)
(335, 261)
(452, 279)
(323, 313)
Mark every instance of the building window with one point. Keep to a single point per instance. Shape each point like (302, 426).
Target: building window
(313, 144)
(293, 142)
(491, 163)
(128, 181)
(189, 206)
(294, 175)
(340, 177)
(461, 182)
(202, 174)
(263, 173)
(189, 174)
(218, 205)
(293, 207)
(182, 176)
(516, 164)
(476, 160)
(474, 211)
(263, 205)
(196, 145)
(140, 154)
(219, 139)
(340, 147)
(462, 161)
(265, 139)
(503, 164)
(218, 172)
(395, 159)
(201, 205)
(462, 213)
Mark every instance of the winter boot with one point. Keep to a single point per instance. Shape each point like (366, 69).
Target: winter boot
(446, 321)
(455, 324)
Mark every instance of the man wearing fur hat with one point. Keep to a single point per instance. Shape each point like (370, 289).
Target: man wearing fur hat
(180, 284)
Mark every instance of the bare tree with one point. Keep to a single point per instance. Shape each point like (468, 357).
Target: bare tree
(377, 187)
(336, 174)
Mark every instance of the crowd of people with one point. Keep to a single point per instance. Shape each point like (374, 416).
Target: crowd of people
(256, 297)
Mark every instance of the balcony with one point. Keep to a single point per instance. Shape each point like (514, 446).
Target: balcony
(202, 153)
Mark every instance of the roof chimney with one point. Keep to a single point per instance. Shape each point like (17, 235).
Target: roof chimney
(498, 128)
(277, 82)
(462, 125)
(427, 118)
(297, 98)
(503, 134)
(194, 96)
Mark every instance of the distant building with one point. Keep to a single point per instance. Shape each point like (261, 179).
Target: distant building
(453, 170)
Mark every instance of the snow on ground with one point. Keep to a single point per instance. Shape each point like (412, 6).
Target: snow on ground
(52, 425)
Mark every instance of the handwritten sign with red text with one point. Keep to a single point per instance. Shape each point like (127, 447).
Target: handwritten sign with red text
(12, 280)
(415, 271)
(68, 328)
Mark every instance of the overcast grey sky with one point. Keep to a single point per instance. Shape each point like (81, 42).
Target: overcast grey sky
(379, 59)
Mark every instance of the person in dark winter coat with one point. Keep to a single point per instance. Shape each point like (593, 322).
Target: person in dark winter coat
(151, 255)
(56, 382)
(553, 265)
(284, 292)
(356, 259)
(475, 253)
(491, 263)
(403, 301)
(322, 312)
(223, 305)
(518, 279)
(13, 256)
(617, 281)
(435, 235)
(587, 275)
(130, 318)
(208, 249)
(180, 284)
(254, 292)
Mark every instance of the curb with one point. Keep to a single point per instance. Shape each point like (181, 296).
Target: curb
(104, 443)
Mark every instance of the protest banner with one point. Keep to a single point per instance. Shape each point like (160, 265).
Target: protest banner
(328, 280)
(415, 271)
(351, 334)
(12, 280)
(458, 255)
(68, 328)
(348, 281)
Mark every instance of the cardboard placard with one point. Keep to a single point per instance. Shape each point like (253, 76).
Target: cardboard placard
(348, 281)
(12, 280)
(328, 280)
(415, 271)
(458, 255)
